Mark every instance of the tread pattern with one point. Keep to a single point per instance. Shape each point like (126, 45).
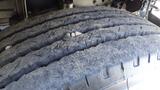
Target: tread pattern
(60, 49)
(86, 71)
(47, 44)
(59, 22)
(59, 33)
(48, 17)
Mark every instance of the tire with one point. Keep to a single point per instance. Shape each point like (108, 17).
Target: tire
(90, 48)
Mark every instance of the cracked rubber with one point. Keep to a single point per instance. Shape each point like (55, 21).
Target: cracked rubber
(46, 53)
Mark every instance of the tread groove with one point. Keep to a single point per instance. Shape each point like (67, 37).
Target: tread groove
(87, 82)
(149, 58)
(136, 62)
(122, 67)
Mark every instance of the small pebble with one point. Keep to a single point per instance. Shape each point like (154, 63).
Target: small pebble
(74, 34)
(7, 47)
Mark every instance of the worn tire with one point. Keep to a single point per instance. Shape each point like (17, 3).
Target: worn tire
(89, 48)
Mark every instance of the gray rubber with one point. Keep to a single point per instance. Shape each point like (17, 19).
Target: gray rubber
(48, 54)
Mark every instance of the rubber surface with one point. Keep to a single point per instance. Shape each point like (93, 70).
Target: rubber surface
(76, 49)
